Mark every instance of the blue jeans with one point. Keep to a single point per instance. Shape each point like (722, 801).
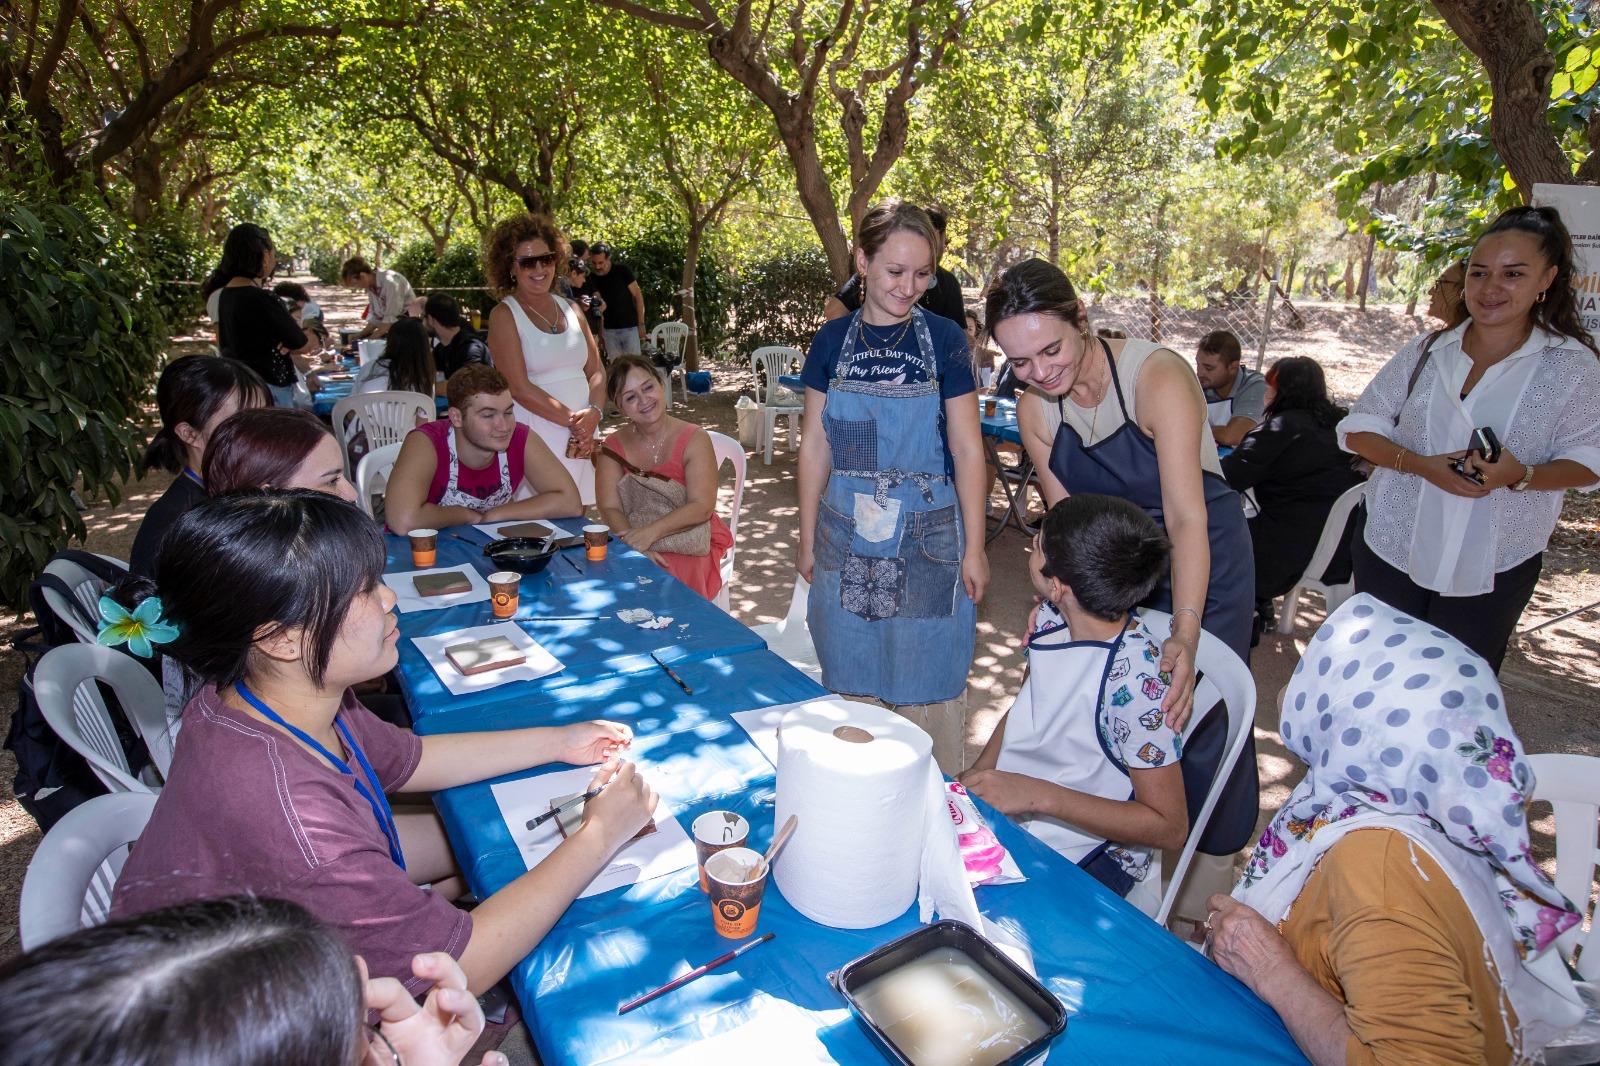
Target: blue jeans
(622, 341)
(282, 395)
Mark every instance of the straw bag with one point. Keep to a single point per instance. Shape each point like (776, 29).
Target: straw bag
(647, 497)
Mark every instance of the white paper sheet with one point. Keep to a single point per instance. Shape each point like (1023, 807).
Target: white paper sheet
(407, 600)
(493, 528)
(776, 1026)
(666, 851)
(540, 662)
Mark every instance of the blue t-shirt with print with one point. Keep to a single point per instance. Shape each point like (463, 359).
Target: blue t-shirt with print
(889, 364)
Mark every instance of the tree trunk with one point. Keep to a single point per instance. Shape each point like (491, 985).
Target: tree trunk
(816, 196)
(1288, 281)
(691, 258)
(1509, 41)
(1349, 278)
(1367, 252)
(1053, 225)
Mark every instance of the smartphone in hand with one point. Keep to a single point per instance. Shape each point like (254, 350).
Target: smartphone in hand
(1486, 445)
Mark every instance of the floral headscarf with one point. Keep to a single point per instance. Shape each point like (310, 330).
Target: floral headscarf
(1403, 728)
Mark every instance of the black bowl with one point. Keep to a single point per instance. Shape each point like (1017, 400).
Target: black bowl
(525, 555)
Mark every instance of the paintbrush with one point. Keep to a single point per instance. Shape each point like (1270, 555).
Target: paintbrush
(698, 971)
(534, 823)
(687, 691)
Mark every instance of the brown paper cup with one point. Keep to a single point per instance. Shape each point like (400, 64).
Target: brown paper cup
(595, 539)
(990, 406)
(503, 589)
(717, 831)
(735, 891)
(424, 547)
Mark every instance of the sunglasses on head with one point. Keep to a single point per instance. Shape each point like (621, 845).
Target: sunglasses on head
(528, 262)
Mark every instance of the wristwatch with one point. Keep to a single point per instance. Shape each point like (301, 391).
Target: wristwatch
(1526, 480)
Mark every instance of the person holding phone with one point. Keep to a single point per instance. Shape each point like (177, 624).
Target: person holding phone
(1476, 433)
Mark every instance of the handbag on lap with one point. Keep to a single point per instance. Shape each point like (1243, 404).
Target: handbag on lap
(647, 497)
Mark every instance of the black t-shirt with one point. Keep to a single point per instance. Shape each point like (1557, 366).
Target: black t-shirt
(254, 324)
(183, 496)
(613, 289)
(586, 291)
(465, 347)
(944, 299)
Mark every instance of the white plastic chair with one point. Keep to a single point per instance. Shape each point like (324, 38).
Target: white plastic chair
(790, 638)
(372, 474)
(670, 337)
(69, 880)
(1226, 678)
(775, 360)
(386, 416)
(86, 590)
(63, 683)
(1327, 544)
(1571, 785)
(728, 450)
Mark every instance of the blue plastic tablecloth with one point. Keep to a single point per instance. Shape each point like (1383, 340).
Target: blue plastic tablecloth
(597, 646)
(1002, 425)
(332, 392)
(1134, 992)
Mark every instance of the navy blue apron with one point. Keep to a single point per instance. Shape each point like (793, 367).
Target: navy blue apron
(1124, 465)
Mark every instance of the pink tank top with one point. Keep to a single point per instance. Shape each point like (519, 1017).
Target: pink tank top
(481, 483)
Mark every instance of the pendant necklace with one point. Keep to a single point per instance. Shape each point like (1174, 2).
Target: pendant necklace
(893, 343)
(549, 326)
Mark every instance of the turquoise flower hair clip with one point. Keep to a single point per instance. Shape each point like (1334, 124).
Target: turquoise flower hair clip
(141, 629)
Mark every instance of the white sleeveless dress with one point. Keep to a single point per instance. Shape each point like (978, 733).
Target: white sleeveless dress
(555, 362)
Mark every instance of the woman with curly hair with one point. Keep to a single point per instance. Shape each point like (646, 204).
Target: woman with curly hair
(541, 343)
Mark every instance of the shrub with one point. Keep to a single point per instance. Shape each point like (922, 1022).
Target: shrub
(460, 269)
(779, 300)
(415, 261)
(179, 258)
(82, 328)
(325, 265)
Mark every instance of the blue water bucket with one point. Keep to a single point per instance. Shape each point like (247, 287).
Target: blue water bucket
(699, 381)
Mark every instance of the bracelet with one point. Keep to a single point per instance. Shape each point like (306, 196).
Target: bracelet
(1186, 610)
(1400, 461)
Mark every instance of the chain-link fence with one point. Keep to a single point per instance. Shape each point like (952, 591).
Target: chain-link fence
(1254, 319)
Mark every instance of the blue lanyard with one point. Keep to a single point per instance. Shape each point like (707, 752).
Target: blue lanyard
(192, 476)
(373, 795)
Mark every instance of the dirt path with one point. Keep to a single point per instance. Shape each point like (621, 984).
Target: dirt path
(1550, 683)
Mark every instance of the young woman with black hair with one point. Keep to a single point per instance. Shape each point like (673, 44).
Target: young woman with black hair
(1463, 549)
(253, 326)
(280, 778)
(236, 981)
(406, 364)
(1293, 463)
(194, 396)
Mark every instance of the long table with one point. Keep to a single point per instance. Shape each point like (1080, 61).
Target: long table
(1134, 992)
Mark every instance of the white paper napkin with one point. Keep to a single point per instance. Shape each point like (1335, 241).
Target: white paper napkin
(493, 528)
(540, 662)
(407, 600)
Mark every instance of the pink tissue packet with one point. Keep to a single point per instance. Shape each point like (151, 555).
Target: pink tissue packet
(986, 859)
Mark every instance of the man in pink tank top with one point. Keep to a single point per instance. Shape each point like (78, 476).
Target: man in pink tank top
(468, 468)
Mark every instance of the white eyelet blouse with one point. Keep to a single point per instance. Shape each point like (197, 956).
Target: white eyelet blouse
(1543, 401)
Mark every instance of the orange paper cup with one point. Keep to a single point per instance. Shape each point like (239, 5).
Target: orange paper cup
(424, 547)
(595, 539)
(717, 831)
(503, 588)
(736, 878)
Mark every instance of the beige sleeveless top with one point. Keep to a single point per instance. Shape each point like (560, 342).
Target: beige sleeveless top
(1106, 418)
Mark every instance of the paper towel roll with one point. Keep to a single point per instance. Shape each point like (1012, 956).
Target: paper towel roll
(857, 778)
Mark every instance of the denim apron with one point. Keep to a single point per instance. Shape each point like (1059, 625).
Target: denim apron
(1124, 464)
(889, 614)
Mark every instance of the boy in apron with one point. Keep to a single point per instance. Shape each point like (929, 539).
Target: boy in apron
(1085, 758)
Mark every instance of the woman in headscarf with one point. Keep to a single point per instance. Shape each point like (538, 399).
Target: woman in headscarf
(1392, 911)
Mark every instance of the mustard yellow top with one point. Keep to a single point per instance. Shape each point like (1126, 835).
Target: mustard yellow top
(1380, 926)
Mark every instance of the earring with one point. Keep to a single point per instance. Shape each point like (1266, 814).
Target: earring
(1540, 298)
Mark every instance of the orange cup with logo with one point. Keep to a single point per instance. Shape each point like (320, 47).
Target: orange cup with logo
(595, 539)
(737, 879)
(503, 589)
(424, 547)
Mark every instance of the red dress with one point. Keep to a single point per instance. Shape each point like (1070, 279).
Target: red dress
(703, 573)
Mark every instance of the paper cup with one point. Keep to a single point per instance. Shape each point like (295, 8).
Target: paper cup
(595, 539)
(717, 831)
(990, 406)
(424, 547)
(503, 588)
(736, 879)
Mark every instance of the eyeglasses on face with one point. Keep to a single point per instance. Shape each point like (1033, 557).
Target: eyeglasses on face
(528, 262)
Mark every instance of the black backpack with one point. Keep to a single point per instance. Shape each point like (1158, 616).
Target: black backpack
(51, 778)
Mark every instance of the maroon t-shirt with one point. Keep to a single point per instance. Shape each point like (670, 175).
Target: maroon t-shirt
(248, 810)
